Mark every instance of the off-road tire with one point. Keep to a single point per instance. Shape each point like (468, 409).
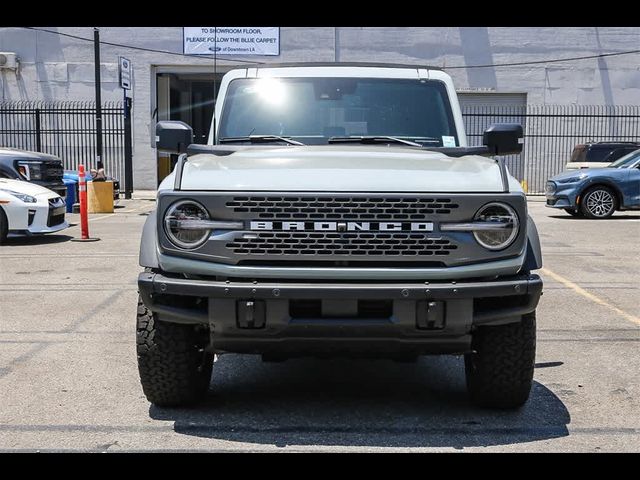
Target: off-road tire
(588, 212)
(573, 212)
(174, 368)
(4, 226)
(500, 368)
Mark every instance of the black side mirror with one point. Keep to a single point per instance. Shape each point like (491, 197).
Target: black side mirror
(503, 138)
(173, 136)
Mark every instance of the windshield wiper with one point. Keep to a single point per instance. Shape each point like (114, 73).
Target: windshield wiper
(372, 139)
(259, 139)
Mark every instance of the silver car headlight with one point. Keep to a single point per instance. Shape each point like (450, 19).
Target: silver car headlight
(497, 226)
(21, 196)
(183, 224)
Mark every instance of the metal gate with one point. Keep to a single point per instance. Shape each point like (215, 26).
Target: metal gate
(551, 132)
(67, 129)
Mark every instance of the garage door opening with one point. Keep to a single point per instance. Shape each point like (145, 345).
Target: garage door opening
(188, 97)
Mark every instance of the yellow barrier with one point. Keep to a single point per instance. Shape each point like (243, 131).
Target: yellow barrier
(525, 187)
(100, 197)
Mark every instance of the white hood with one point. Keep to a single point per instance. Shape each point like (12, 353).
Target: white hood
(20, 186)
(340, 169)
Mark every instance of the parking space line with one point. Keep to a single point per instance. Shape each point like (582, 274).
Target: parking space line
(581, 291)
(109, 215)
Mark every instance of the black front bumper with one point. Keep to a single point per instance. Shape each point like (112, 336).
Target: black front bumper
(302, 318)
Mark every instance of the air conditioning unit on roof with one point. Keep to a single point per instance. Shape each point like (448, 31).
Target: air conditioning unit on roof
(9, 60)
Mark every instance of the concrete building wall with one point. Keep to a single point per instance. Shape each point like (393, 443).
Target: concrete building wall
(54, 67)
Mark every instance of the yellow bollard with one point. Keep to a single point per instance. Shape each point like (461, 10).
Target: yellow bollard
(100, 197)
(525, 187)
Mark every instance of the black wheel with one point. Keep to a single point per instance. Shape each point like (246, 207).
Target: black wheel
(4, 226)
(599, 202)
(174, 368)
(573, 212)
(500, 368)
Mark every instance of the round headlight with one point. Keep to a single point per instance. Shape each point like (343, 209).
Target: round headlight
(176, 223)
(502, 226)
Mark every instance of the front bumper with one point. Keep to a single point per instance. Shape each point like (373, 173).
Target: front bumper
(458, 307)
(562, 196)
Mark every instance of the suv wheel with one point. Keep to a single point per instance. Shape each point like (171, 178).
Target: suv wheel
(499, 369)
(174, 367)
(599, 202)
(4, 226)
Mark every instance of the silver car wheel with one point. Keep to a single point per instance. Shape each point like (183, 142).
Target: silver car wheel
(600, 203)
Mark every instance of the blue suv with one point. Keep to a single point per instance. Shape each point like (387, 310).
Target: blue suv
(597, 192)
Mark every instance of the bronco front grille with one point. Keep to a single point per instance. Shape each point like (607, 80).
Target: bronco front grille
(342, 208)
(341, 244)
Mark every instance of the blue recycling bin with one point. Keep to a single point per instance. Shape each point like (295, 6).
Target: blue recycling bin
(71, 193)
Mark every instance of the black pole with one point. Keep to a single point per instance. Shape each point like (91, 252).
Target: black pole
(38, 132)
(96, 53)
(128, 155)
(215, 74)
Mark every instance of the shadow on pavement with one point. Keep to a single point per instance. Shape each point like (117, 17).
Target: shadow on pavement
(363, 403)
(613, 217)
(36, 240)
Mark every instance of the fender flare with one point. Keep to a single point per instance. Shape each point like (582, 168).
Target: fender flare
(148, 245)
(533, 258)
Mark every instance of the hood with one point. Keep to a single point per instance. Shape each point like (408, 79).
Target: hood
(586, 172)
(21, 186)
(339, 168)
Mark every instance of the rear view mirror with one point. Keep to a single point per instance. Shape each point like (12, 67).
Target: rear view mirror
(503, 138)
(173, 136)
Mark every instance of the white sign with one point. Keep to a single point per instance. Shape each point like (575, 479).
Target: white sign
(125, 73)
(231, 40)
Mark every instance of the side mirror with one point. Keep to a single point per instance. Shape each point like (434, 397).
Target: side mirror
(503, 138)
(173, 136)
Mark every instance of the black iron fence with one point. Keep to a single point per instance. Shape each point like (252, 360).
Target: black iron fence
(67, 129)
(551, 132)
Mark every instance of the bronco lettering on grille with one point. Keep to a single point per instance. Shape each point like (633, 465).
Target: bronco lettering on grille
(343, 226)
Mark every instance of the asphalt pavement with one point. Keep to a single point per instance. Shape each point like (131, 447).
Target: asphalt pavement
(69, 378)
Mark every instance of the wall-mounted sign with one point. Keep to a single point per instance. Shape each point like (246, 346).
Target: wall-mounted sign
(475, 89)
(125, 73)
(231, 40)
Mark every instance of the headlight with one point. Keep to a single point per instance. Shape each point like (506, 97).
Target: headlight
(30, 171)
(551, 187)
(21, 196)
(183, 226)
(497, 226)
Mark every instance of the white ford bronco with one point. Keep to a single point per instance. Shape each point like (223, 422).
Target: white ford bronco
(338, 211)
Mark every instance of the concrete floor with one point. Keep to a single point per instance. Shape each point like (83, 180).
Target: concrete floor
(69, 379)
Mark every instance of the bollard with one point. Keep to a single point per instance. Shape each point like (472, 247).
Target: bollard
(84, 217)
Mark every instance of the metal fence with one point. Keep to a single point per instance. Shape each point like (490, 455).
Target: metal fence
(66, 129)
(551, 132)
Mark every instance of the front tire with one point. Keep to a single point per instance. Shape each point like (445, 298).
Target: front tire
(500, 368)
(599, 202)
(175, 369)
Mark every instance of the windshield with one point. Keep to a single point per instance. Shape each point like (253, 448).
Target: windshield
(627, 160)
(312, 110)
